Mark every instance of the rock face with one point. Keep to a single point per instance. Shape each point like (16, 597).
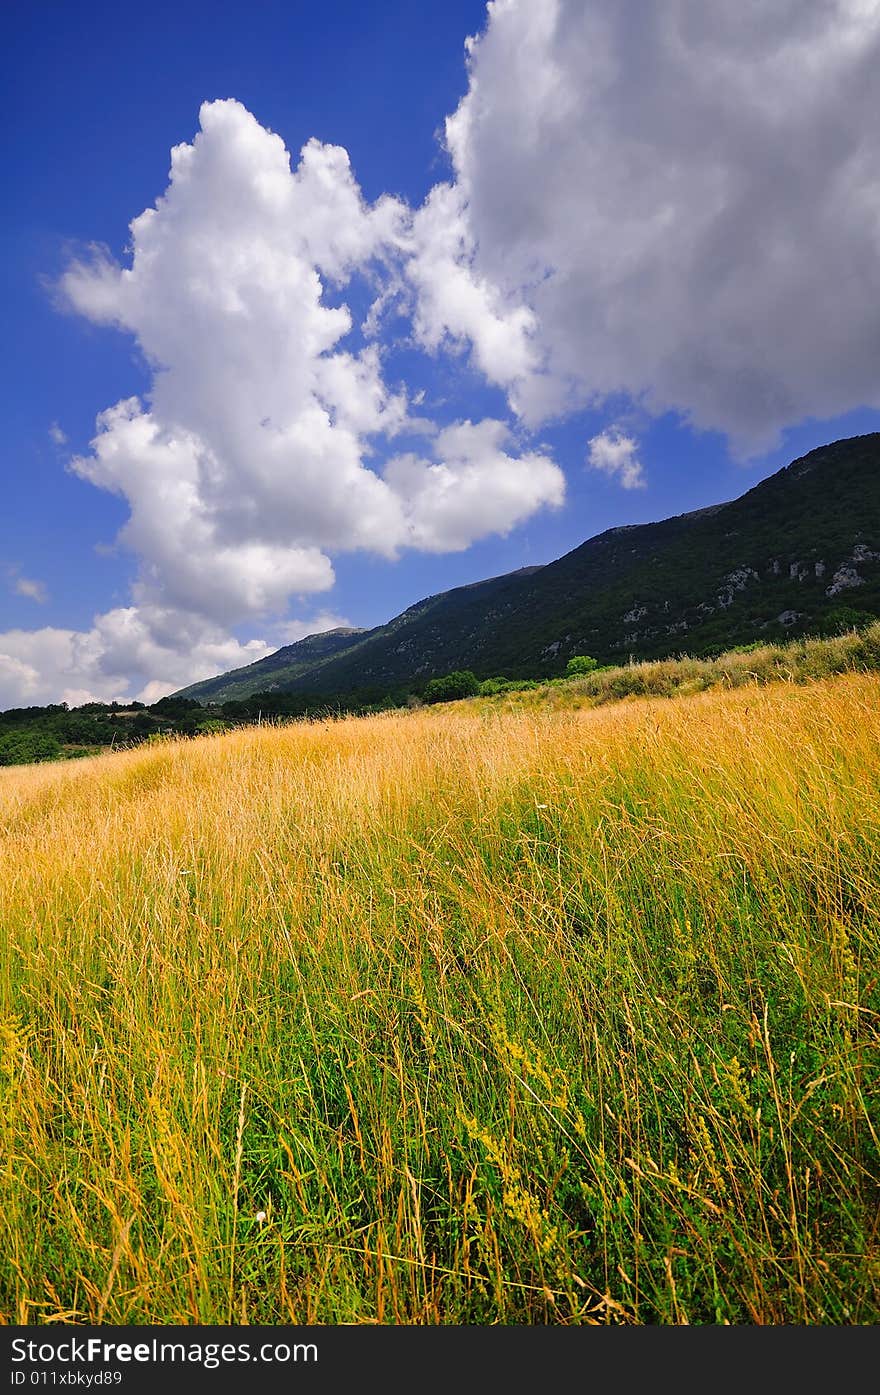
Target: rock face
(844, 578)
(737, 581)
(847, 574)
(794, 555)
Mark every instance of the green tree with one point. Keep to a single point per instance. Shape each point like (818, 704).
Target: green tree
(581, 664)
(213, 726)
(460, 684)
(24, 747)
(844, 617)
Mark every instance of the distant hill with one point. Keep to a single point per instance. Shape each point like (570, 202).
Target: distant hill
(799, 553)
(277, 670)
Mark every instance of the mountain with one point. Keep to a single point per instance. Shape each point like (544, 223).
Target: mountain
(276, 671)
(799, 553)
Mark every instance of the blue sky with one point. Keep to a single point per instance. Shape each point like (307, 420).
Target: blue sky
(636, 274)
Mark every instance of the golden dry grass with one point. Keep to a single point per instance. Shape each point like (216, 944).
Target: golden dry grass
(518, 1016)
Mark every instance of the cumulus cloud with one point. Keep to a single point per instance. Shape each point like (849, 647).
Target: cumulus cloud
(141, 652)
(455, 306)
(678, 202)
(18, 680)
(616, 454)
(252, 461)
(291, 631)
(259, 450)
(472, 486)
(248, 461)
(136, 651)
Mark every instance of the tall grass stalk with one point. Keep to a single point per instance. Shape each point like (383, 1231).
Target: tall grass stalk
(455, 1015)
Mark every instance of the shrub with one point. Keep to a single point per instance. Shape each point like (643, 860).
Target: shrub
(843, 618)
(461, 684)
(490, 687)
(24, 747)
(581, 664)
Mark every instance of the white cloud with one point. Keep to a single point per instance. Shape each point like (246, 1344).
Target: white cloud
(27, 586)
(616, 454)
(129, 652)
(18, 681)
(34, 590)
(251, 462)
(57, 435)
(682, 200)
(258, 451)
(248, 462)
(472, 487)
(291, 631)
(455, 305)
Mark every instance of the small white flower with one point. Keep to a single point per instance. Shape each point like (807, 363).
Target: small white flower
(261, 1216)
(542, 806)
(186, 872)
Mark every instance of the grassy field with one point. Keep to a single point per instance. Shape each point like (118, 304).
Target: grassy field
(465, 1015)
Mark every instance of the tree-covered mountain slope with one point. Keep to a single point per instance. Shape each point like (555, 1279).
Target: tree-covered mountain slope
(277, 670)
(799, 553)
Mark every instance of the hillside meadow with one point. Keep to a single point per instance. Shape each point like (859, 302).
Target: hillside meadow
(473, 1014)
